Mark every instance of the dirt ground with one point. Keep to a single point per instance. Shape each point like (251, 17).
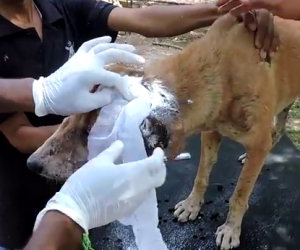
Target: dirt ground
(152, 48)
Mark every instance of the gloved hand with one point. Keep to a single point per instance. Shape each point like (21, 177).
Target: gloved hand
(101, 192)
(67, 90)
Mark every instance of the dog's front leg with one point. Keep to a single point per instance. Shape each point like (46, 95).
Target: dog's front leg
(229, 233)
(189, 208)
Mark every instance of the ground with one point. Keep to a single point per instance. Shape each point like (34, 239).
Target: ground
(293, 125)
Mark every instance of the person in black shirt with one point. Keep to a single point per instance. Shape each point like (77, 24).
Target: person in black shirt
(36, 38)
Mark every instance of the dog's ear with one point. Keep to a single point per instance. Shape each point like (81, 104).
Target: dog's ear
(126, 69)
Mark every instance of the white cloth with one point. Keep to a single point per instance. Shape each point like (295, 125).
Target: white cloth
(116, 121)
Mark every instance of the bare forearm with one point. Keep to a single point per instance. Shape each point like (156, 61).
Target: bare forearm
(23, 136)
(56, 231)
(16, 95)
(31, 138)
(161, 21)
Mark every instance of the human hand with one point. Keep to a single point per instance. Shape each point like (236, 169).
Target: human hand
(261, 22)
(67, 90)
(266, 38)
(101, 192)
(289, 9)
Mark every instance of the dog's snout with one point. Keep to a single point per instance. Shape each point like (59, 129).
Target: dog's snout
(34, 165)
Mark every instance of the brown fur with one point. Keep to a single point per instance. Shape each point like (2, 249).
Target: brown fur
(233, 94)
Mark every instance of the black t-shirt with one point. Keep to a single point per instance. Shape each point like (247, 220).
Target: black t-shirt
(66, 25)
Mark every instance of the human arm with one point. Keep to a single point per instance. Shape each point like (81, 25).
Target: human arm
(97, 194)
(162, 21)
(22, 135)
(289, 9)
(56, 232)
(16, 95)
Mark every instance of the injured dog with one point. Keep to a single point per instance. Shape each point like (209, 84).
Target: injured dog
(67, 147)
(222, 89)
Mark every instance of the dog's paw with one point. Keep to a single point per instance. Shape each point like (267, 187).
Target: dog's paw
(228, 237)
(242, 158)
(188, 209)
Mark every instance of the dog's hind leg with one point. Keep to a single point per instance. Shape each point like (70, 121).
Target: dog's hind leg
(277, 131)
(258, 147)
(188, 209)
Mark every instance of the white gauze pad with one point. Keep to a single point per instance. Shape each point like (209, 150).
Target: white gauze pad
(144, 220)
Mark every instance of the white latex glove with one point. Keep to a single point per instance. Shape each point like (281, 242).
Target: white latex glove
(67, 90)
(101, 192)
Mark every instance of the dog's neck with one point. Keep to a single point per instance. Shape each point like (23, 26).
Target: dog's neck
(199, 100)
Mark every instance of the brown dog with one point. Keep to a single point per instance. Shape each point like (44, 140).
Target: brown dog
(223, 89)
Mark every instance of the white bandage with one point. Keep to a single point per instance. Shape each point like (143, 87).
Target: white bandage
(119, 121)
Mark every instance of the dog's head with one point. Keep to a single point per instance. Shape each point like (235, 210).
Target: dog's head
(66, 150)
